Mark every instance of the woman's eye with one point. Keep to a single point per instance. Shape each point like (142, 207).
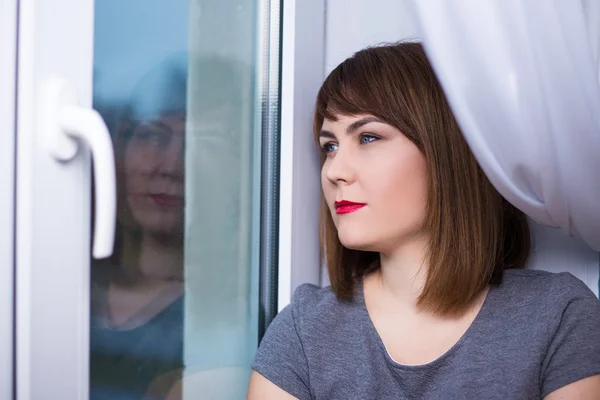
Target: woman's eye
(329, 147)
(157, 138)
(366, 138)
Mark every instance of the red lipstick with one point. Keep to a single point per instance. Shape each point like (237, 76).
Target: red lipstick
(345, 207)
(167, 200)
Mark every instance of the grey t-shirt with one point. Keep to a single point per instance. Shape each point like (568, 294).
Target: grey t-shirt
(535, 333)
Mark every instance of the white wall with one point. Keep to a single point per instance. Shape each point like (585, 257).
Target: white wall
(555, 251)
(354, 24)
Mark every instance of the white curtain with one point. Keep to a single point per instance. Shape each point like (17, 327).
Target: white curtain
(523, 79)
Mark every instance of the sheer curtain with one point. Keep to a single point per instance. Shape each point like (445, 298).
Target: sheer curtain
(523, 80)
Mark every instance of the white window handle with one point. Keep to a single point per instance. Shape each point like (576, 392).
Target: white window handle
(67, 124)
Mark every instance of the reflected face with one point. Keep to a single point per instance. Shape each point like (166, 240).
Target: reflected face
(374, 181)
(154, 175)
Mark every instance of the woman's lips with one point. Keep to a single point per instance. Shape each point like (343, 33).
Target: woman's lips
(167, 200)
(345, 206)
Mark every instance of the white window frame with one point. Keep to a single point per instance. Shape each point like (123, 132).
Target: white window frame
(303, 51)
(8, 63)
(52, 324)
(52, 239)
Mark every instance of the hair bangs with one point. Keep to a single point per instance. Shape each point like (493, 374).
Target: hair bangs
(348, 90)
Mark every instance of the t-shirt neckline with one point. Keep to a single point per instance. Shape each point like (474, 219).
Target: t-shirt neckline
(471, 330)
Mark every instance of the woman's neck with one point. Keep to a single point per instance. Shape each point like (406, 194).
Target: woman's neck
(154, 258)
(397, 285)
(403, 272)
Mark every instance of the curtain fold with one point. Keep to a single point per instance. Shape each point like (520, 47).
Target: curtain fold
(523, 79)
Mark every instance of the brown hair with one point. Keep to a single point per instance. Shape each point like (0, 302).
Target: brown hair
(474, 233)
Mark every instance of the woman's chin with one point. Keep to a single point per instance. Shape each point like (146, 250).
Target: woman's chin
(357, 241)
(166, 230)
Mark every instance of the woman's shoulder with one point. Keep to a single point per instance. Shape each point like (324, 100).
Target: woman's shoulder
(553, 291)
(310, 295)
(535, 282)
(313, 305)
(564, 313)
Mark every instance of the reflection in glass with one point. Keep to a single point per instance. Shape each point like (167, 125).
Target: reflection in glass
(175, 311)
(137, 296)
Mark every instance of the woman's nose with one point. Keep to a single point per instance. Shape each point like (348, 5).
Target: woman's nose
(173, 158)
(339, 169)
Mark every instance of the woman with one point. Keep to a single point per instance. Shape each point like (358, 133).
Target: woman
(427, 298)
(137, 297)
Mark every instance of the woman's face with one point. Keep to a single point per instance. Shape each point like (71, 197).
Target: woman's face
(374, 181)
(154, 175)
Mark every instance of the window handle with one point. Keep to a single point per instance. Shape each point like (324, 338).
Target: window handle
(69, 126)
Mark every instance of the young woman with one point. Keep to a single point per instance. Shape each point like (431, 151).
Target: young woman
(427, 299)
(138, 295)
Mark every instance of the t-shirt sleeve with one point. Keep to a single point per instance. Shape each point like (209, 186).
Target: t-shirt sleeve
(573, 351)
(281, 358)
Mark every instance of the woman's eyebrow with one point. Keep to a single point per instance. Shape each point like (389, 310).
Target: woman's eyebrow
(326, 134)
(352, 127)
(361, 122)
(159, 124)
